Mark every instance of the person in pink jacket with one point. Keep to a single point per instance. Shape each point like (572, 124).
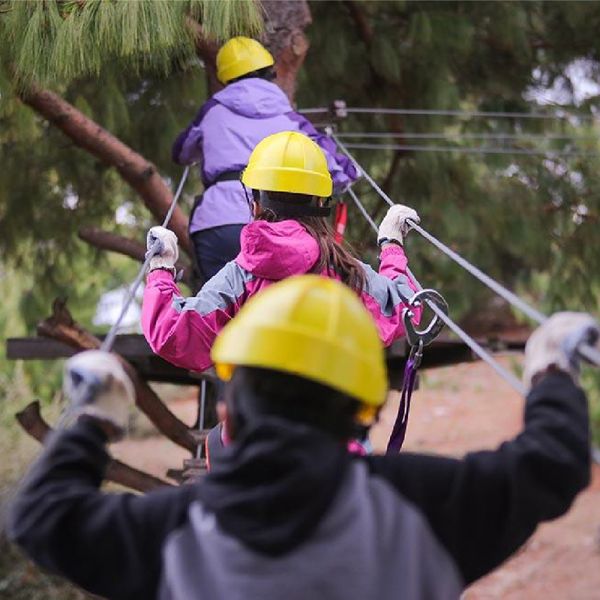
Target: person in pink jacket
(290, 235)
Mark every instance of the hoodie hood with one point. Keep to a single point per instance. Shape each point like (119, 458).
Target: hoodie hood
(271, 488)
(277, 250)
(254, 98)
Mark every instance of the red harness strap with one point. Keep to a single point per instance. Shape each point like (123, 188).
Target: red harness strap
(340, 220)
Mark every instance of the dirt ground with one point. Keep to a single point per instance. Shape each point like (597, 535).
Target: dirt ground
(458, 409)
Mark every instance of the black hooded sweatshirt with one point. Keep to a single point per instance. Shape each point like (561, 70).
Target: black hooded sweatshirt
(278, 484)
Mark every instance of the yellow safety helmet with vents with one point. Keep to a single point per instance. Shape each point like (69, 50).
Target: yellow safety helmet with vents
(288, 162)
(239, 56)
(313, 327)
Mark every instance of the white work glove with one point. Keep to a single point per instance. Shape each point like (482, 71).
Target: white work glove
(97, 385)
(554, 344)
(394, 226)
(161, 244)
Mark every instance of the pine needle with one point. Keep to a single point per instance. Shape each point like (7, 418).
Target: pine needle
(53, 42)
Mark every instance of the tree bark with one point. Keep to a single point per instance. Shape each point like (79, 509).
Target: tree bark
(285, 22)
(105, 240)
(32, 422)
(61, 326)
(135, 170)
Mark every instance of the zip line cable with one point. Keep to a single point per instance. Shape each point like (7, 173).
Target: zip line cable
(451, 113)
(466, 136)
(468, 149)
(461, 333)
(589, 353)
(109, 340)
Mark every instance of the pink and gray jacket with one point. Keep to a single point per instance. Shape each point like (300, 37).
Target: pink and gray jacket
(182, 330)
(224, 133)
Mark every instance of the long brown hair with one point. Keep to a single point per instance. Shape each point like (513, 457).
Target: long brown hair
(334, 259)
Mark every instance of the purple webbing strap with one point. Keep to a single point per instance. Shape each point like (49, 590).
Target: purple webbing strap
(399, 430)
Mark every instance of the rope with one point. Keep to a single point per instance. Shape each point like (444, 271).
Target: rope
(469, 149)
(588, 352)
(451, 113)
(109, 340)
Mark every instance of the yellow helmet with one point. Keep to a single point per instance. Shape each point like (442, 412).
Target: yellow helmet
(288, 162)
(313, 327)
(239, 56)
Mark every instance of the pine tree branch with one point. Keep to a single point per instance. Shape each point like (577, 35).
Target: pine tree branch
(206, 50)
(32, 422)
(105, 240)
(135, 170)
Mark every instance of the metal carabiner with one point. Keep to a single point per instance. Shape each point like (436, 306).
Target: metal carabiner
(423, 337)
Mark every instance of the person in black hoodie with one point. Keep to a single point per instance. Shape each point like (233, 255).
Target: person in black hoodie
(287, 512)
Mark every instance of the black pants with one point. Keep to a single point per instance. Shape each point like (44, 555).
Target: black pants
(215, 247)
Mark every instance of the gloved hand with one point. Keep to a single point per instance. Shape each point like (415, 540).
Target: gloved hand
(97, 385)
(394, 226)
(166, 252)
(555, 343)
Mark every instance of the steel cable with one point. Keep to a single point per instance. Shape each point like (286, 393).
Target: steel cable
(588, 352)
(450, 113)
(473, 150)
(109, 340)
(461, 333)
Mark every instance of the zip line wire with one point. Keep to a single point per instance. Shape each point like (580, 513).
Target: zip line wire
(467, 136)
(461, 333)
(450, 113)
(469, 149)
(109, 340)
(589, 353)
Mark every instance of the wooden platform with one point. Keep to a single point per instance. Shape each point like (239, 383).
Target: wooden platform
(443, 352)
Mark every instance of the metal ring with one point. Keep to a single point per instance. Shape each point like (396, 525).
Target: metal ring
(428, 334)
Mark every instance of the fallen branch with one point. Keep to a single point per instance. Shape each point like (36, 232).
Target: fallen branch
(136, 171)
(105, 240)
(32, 422)
(62, 327)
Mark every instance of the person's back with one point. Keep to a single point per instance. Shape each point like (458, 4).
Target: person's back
(222, 136)
(346, 556)
(287, 513)
(288, 188)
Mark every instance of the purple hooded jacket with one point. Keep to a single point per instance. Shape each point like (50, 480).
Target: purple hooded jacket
(223, 135)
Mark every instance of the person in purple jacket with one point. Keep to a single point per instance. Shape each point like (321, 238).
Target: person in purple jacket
(221, 137)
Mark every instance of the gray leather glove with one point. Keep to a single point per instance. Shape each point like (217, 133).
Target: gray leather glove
(394, 227)
(554, 344)
(97, 385)
(161, 244)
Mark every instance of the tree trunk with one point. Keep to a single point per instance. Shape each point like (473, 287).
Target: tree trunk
(285, 22)
(138, 172)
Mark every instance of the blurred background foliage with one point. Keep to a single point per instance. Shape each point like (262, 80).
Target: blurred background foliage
(530, 220)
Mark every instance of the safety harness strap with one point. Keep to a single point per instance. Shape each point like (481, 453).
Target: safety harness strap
(408, 385)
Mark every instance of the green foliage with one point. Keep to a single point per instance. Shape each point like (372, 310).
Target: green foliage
(521, 218)
(51, 41)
